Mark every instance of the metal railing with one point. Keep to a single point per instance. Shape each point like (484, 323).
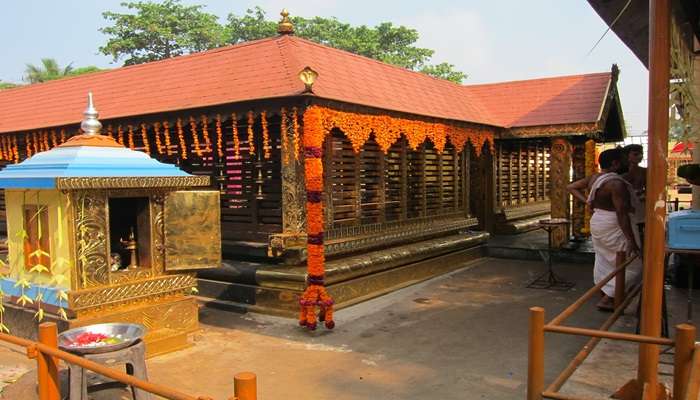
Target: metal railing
(684, 341)
(675, 205)
(47, 354)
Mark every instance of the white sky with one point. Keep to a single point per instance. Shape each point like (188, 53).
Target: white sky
(489, 40)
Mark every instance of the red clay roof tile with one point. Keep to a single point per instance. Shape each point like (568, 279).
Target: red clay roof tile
(268, 68)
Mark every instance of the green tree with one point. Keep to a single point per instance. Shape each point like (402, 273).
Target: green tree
(159, 30)
(7, 85)
(50, 70)
(47, 71)
(168, 29)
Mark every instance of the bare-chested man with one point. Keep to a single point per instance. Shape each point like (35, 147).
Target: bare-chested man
(637, 177)
(611, 228)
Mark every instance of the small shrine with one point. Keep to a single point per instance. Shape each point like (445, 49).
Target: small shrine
(101, 233)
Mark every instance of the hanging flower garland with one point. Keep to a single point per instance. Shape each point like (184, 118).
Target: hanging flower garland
(387, 130)
(36, 143)
(219, 138)
(110, 131)
(251, 138)
(315, 294)
(63, 135)
(15, 148)
(181, 139)
(120, 135)
(3, 151)
(284, 137)
(205, 134)
(131, 136)
(54, 139)
(28, 145)
(236, 141)
(144, 138)
(265, 135)
(295, 131)
(156, 132)
(195, 138)
(589, 169)
(166, 136)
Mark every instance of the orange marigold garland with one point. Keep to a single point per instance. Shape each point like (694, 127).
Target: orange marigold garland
(63, 135)
(181, 139)
(315, 294)
(284, 137)
(45, 140)
(15, 149)
(144, 137)
(166, 135)
(251, 137)
(195, 138)
(28, 145)
(205, 134)
(156, 133)
(36, 142)
(110, 131)
(236, 141)
(120, 135)
(295, 131)
(54, 139)
(131, 136)
(265, 135)
(219, 138)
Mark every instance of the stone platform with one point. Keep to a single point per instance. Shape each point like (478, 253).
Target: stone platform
(275, 289)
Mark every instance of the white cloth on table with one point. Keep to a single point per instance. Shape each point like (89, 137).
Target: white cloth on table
(608, 239)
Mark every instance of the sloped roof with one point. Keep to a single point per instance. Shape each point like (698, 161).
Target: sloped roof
(547, 101)
(268, 68)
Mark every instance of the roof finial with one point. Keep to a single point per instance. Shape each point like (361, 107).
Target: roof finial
(285, 26)
(90, 124)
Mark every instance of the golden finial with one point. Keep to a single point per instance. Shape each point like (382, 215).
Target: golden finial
(285, 26)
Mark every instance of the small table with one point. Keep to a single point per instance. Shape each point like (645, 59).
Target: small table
(690, 277)
(550, 280)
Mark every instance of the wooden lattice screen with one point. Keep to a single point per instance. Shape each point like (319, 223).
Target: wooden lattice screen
(372, 187)
(522, 172)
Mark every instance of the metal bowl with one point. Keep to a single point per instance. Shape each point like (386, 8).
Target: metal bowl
(129, 333)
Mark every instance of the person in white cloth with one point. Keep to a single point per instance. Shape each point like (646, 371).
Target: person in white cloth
(611, 199)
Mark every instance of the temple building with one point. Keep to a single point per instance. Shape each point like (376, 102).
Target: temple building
(416, 170)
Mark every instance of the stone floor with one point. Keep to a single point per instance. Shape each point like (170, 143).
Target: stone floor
(458, 336)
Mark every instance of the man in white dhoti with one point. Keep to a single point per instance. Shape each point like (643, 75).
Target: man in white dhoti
(611, 230)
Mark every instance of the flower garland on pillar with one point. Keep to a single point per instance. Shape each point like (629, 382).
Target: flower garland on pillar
(15, 149)
(590, 169)
(54, 139)
(251, 138)
(205, 134)
(295, 130)
(131, 136)
(195, 137)
(284, 136)
(265, 135)
(156, 133)
(63, 135)
(181, 139)
(315, 293)
(166, 134)
(219, 138)
(234, 133)
(144, 137)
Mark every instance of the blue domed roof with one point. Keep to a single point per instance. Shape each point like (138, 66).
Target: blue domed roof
(43, 170)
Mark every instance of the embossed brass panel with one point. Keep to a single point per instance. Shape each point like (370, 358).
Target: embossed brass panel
(192, 230)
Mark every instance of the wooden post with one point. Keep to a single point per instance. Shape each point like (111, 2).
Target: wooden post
(655, 234)
(535, 355)
(47, 366)
(693, 389)
(245, 386)
(560, 164)
(682, 359)
(619, 279)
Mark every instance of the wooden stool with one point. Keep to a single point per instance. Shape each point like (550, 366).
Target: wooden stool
(134, 358)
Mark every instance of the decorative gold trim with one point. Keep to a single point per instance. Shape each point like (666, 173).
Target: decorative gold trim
(158, 286)
(91, 229)
(551, 130)
(131, 182)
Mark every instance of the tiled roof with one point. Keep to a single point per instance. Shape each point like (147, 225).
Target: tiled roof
(547, 101)
(268, 68)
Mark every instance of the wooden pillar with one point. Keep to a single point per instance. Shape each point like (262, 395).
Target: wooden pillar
(654, 238)
(560, 164)
(578, 210)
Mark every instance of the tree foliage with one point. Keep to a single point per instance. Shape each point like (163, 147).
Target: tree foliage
(7, 85)
(159, 31)
(49, 70)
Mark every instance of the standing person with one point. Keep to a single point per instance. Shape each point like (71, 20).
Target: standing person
(637, 177)
(611, 228)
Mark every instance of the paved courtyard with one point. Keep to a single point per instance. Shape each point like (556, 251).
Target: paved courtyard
(459, 336)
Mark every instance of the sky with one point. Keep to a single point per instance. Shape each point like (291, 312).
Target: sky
(491, 41)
